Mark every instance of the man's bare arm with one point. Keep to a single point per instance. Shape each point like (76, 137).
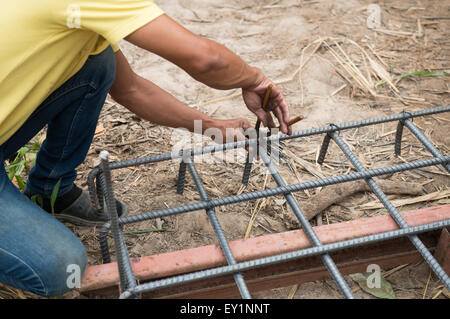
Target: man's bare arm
(212, 64)
(152, 103)
(207, 61)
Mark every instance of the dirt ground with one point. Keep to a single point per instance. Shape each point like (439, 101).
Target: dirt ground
(279, 37)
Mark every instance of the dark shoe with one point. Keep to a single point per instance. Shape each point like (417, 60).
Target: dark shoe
(75, 208)
(81, 213)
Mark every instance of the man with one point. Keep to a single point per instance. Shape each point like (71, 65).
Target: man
(59, 59)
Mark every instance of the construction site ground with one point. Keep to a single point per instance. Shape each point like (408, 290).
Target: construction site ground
(303, 46)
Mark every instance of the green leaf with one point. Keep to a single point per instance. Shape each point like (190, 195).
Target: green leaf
(54, 196)
(416, 73)
(20, 168)
(37, 199)
(11, 173)
(20, 182)
(422, 73)
(22, 151)
(36, 146)
(384, 289)
(8, 167)
(143, 231)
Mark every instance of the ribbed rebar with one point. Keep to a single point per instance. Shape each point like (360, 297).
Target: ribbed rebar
(425, 141)
(323, 149)
(239, 279)
(247, 170)
(283, 190)
(103, 240)
(432, 262)
(127, 280)
(93, 188)
(398, 138)
(181, 177)
(104, 230)
(306, 226)
(285, 257)
(281, 137)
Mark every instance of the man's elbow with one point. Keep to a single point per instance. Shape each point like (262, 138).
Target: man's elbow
(124, 92)
(123, 98)
(209, 59)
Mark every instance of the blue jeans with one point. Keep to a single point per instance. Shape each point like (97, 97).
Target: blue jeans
(37, 252)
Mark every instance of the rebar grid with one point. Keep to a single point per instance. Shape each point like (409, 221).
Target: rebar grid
(432, 262)
(102, 198)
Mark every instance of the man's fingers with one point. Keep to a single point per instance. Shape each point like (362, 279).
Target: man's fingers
(281, 120)
(280, 109)
(282, 104)
(276, 105)
(262, 116)
(286, 116)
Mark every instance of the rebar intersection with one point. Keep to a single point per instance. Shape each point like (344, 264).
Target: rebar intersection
(102, 197)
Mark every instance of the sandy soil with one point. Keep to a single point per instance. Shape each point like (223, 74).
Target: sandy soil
(272, 36)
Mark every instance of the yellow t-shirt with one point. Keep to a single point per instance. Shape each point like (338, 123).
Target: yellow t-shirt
(43, 43)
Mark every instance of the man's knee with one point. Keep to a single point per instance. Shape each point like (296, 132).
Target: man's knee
(64, 269)
(53, 275)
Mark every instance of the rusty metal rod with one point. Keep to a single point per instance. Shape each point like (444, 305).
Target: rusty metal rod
(302, 253)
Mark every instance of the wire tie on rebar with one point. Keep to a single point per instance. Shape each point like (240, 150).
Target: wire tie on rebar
(338, 129)
(407, 116)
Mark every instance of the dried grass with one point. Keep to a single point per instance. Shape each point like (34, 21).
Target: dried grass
(408, 201)
(7, 292)
(360, 65)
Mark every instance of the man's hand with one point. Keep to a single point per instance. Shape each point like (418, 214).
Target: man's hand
(253, 97)
(231, 130)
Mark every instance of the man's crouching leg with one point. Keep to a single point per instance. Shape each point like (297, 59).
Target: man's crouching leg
(37, 252)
